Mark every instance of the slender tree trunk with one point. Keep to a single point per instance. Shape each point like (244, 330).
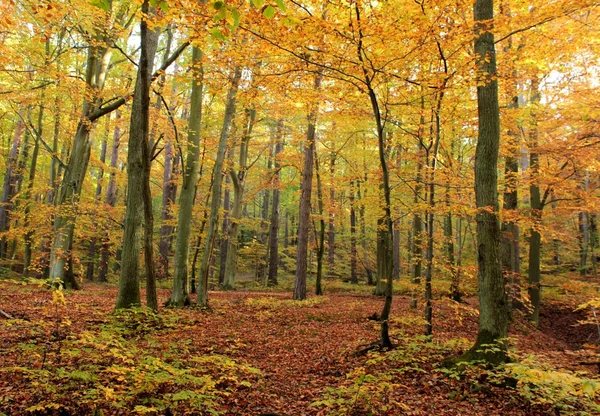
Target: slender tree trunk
(92, 250)
(239, 181)
(363, 234)
(353, 253)
(202, 298)
(331, 230)
(430, 215)
(510, 229)
(166, 229)
(139, 207)
(111, 199)
(10, 185)
(321, 238)
(535, 240)
(274, 228)
(226, 226)
(304, 211)
(181, 286)
(29, 197)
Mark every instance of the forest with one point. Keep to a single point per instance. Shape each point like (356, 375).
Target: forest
(299, 207)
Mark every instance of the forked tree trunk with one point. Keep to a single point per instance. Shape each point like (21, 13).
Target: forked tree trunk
(75, 171)
(139, 206)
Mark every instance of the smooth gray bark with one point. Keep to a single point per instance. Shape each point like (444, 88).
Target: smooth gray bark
(181, 283)
(202, 298)
(238, 178)
(138, 169)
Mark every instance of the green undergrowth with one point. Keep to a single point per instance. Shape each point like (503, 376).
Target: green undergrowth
(381, 385)
(122, 366)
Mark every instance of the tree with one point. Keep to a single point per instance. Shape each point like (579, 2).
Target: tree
(493, 313)
(181, 289)
(304, 211)
(138, 177)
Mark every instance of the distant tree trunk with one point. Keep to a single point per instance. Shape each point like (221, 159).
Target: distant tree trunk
(509, 245)
(10, 185)
(111, 199)
(363, 234)
(274, 228)
(331, 231)
(181, 286)
(321, 237)
(162, 271)
(226, 225)
(29, 197)
(384, 257)
(353, 254)
(92, 249)
(263, 235)
(239, 181)
(286, 231)
(584, 238)
(432, 161)
(535, 240)
(165, 228)
(493, 317)
(202, 298)
(139, 206)
(304, 211)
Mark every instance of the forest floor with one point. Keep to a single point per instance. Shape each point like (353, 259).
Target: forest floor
(261, 353)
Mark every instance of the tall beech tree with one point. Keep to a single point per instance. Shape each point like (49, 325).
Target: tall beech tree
(181, 284)
(230, 105)
(493, 311)
(139, 201)
(305, 198)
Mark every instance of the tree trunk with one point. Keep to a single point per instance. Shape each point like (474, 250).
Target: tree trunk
(202, 298)
(138, 169)
(181, 286)
(493, 317)
(226, 226)
(29, 197)
(165, 228)
(274, 228)
(535, 240)
(10, 186)
(92, 250)
(75, 171)
(305, 197)
(239, 180)
(321, 238)
(331, 230)
(353, 253)
(111, 199)
(509, 247)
